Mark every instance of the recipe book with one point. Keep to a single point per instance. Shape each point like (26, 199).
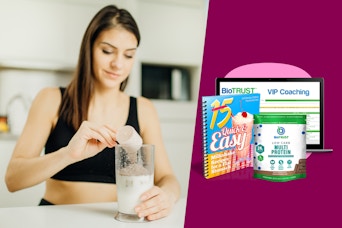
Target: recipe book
(228, 132)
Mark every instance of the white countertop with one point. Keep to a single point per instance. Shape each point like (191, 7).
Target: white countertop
(99, 215)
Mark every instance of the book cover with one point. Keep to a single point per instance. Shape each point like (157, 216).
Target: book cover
(228, 132)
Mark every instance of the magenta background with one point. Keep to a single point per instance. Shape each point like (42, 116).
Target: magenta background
(306, 34)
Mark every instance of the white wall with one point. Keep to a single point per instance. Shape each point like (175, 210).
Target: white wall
(45, 36)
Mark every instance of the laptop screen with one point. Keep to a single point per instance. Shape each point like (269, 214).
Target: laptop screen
(284, 96)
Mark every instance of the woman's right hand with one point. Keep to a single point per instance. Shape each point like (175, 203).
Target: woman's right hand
(89, 140)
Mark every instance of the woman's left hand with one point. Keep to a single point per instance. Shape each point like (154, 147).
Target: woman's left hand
(155, 204)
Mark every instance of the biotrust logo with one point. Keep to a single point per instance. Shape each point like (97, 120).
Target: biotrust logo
(280, 132)
(237, 90)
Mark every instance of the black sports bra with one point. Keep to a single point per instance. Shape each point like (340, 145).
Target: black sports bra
(101, 167)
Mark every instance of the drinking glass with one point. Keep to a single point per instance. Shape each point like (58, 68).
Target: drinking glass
(134, 171)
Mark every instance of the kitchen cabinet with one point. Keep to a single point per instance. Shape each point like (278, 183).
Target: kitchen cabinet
(31, 32)
(178, 28)
(49, 33)
(43, 34)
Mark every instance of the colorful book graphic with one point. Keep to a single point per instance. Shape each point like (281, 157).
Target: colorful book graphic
(228, 132)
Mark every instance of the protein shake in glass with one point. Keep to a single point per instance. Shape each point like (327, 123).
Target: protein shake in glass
(134, 168)
(133, 178)
(243, 121)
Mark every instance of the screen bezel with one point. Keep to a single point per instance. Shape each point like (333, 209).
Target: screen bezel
(321, 102)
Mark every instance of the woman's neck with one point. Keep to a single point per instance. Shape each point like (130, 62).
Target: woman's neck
(106, 97)
(104, 105)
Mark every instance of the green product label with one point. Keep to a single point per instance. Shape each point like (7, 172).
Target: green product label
(280, 178)
(279, 119)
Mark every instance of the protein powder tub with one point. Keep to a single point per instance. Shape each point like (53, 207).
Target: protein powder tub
(280, 147)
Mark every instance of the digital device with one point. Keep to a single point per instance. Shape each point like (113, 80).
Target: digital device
(286, 96)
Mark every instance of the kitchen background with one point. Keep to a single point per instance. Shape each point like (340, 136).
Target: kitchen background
(39, 43)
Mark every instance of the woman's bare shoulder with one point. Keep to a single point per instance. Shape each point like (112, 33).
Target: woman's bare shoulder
(145, 105)
(147, 114)
(50, 92)
(47, 101)
(49, 95)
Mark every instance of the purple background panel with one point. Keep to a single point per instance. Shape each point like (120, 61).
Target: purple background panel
(306, 34)
(268, 70)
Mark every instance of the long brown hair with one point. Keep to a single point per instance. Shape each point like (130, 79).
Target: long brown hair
(76, 98)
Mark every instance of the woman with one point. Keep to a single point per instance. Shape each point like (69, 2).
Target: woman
(77, 126)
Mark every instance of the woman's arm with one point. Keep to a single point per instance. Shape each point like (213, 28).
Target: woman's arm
(27, 167)
(158, 201)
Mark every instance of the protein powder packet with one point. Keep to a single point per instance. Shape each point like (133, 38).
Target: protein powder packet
(280, 147)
